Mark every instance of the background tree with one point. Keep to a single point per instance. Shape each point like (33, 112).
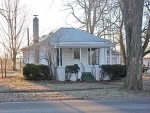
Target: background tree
(13, 25)
(102, 18)
(91, 14)
(1, 60)
(146, 28)
(132, 14)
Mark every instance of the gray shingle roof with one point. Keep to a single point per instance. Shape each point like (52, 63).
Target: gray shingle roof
(73, 35)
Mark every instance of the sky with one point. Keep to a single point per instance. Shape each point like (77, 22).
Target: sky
(51, 15)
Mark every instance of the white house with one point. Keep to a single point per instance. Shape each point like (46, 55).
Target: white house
(69, 46)
(146, 60)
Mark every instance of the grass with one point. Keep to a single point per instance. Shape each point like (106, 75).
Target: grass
(15, 83)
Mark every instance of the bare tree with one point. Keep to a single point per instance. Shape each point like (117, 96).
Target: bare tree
(49, 51)
(145, 31)
(121, 35)
(1, 66)
(146, 28)
(13, 26)
(132, 14)
(90, 14)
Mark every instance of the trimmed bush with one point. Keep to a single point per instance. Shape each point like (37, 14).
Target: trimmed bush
(115, 72)
(36, 72)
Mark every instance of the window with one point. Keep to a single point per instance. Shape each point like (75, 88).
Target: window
(76, 53)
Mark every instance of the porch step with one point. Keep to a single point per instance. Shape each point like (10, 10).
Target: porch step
(87, 77)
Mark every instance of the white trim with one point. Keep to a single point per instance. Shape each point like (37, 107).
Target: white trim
(87, 56)
(97, 56)
(110, 56)
(80, 56)
(105, 52)
(119, 58)
(59, 55)
(90, 56)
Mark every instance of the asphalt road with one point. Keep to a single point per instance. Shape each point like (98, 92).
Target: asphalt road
(141, 105)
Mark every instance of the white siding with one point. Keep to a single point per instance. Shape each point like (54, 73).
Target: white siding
(115, 59)
(146, 62)
(25, 56)
(67, 57)
(42, 55)
(31, 56)
(84, 56)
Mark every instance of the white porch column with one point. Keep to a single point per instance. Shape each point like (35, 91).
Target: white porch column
(97, 58)
(110, 56)
(101, 56)
(80, 56)
(59, 56)
(105, 55)
(90, 56)
(119, 59)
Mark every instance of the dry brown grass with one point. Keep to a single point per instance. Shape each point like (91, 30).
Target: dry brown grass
(15, 88)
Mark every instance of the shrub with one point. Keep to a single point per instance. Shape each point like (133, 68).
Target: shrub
(72, 69)
(115, 72)
(69, 70)
(36, 72)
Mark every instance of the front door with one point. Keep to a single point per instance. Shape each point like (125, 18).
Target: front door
(76, 55)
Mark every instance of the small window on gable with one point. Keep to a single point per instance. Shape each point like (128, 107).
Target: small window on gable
(76, 53)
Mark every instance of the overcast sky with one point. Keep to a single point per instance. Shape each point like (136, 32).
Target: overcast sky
(50, 14)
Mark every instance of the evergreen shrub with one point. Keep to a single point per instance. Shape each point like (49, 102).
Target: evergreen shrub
(115, 72)
(36, 72)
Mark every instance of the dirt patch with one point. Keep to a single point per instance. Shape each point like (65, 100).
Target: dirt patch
(15, 88)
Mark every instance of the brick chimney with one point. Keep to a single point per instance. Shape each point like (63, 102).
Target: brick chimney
(35, 29)
(36, 38)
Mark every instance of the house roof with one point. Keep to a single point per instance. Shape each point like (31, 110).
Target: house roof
(73, 37)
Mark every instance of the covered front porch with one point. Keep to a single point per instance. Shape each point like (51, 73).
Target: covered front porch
(88, 59)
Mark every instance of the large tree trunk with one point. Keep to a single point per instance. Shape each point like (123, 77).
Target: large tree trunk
(132, 13)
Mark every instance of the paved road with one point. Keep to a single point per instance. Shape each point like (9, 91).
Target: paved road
(141, 105)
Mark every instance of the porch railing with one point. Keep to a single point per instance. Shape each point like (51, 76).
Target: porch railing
(82, 67)
(93, 71)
